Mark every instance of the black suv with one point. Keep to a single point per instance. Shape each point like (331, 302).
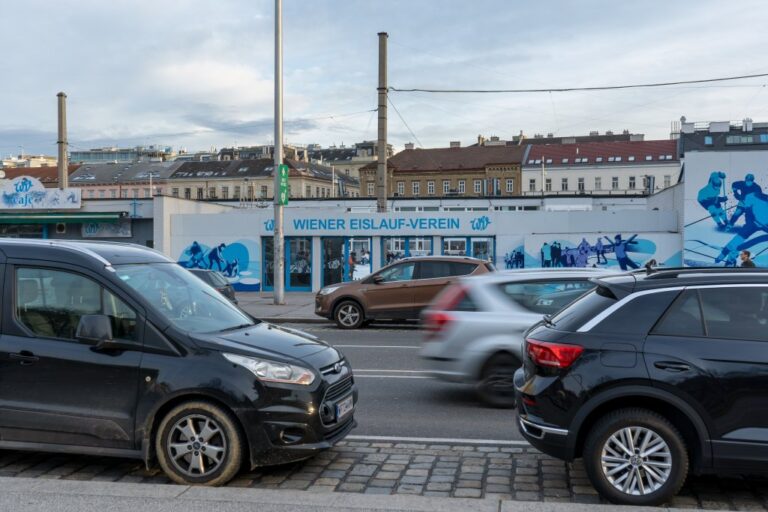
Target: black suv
(650, 376)
(114, 349)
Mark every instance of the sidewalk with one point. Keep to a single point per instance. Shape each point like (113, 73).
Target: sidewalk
(299, 307)
(21, 494)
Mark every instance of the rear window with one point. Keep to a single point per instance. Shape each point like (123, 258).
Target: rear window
(218, 279)
(583, 309)
(462, 269)
(638, 316)
(545, 297)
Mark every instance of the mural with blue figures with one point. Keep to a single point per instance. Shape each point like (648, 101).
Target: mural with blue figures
(237, 261)
(517, 258)
(26, 192)
(726, 211)
(625, 251)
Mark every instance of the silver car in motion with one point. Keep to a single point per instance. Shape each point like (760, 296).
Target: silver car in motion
(474, 328)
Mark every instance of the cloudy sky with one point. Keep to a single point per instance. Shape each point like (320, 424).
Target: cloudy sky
(199, 73)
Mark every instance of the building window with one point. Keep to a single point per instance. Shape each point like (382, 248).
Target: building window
(200, 193)
(564, 184)
(478, 186)
(648, 157)
(462, 186)
(599, 159)
(135, 193)
(510, 186)
(264, 191)
(225, 192)
(615, 183)
(548, 184)
(667, 180)
(598, 183)
(102, 194)
(400, 188)
(631, 183)
(308, 191)
(631, 158)
(124, 194)
(91, 194)
(446, 187)
(416, 188)
(708, 140)
(113, 194)
(212, 192)
(158, 191)
(147, 192)
(580, 184)
(237, 192)
(532, 185)
(370, 188)
(431, 188)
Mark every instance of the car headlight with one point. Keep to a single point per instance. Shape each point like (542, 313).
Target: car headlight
(270, 371)
(328, 289)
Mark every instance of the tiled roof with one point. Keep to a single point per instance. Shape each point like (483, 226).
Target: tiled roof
(262, 168)
(44, 174)
(453, 159)
(602, 153)
(92, 174)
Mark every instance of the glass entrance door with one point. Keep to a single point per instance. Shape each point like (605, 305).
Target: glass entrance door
(358, 258)
(482, 248)
(299, 268)
(333, 260)
(267, 256)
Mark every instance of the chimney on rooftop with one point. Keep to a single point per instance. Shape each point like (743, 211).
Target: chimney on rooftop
(480, 140)
(594, 133)
(409, 145)
(609, 132)
(455, 144)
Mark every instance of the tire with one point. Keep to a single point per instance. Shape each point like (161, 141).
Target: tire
(217, 428)
(348, 315)
(668, 463)
(496, 385)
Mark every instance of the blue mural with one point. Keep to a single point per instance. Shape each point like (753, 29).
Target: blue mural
(237, 261)
(515, 258)
(626, 252)
(727, 228)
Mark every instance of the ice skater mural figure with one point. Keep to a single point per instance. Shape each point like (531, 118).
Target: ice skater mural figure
(196, 259)
(217, 256)
(621, 249)
(600, 251)
(546, 255)
(742, 189)
(232, 269)
(755, 219)
(712, 198)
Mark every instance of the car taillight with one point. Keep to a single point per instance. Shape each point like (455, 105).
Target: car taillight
(552, 355)
(435, 322)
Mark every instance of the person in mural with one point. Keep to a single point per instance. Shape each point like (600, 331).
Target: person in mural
(621, 249)
(519, 259)
(600, 251)
(582, 258)
(557, 255)
(546, 255)
(217, 255)
(508, 260)
(195, 256)
(712, 197)
(755, 219)
(742, 189)
(232, 269)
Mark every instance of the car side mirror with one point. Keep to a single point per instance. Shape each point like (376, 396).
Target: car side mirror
(94, 329)
(378, 279)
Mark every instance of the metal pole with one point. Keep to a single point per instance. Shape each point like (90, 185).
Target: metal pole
(381, 170)
(279, 241)
(63, 167)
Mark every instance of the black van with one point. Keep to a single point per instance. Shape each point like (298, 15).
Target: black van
(114, 349)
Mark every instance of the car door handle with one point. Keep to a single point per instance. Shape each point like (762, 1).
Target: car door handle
(671, 366)
(25, 357)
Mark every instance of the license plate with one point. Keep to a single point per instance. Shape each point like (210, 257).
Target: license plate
(344, 407)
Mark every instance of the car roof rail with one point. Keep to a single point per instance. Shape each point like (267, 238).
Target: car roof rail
(671, 273)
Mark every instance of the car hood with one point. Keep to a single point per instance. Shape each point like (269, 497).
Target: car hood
(272, 342)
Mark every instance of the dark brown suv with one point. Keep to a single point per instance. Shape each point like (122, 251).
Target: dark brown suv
(398, 291)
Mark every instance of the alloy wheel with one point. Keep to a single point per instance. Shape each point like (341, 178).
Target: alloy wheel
(196, 445)
(349, 315)
(636, 461)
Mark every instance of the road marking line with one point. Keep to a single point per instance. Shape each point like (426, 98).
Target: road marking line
(392, 376)
(437, 440)
(357, 370)
(376, 346)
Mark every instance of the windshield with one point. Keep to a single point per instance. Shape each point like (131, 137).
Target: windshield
(186, 301)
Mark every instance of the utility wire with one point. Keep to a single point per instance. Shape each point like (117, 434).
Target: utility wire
(403, 120)
(572, 89)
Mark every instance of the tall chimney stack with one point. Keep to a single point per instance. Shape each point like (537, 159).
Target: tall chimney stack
(62, 142)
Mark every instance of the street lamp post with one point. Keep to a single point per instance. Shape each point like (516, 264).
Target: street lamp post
(279, 241)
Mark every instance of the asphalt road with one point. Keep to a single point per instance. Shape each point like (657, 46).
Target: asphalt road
(398, 399)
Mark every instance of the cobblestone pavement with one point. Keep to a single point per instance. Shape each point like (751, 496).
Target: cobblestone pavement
(517, 473)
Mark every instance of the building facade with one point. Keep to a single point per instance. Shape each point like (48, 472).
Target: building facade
(151, 153)
(614, 168)
(449, 172)
(348, 160)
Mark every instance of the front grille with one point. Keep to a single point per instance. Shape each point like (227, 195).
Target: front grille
(338, 390)
(331, 368)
